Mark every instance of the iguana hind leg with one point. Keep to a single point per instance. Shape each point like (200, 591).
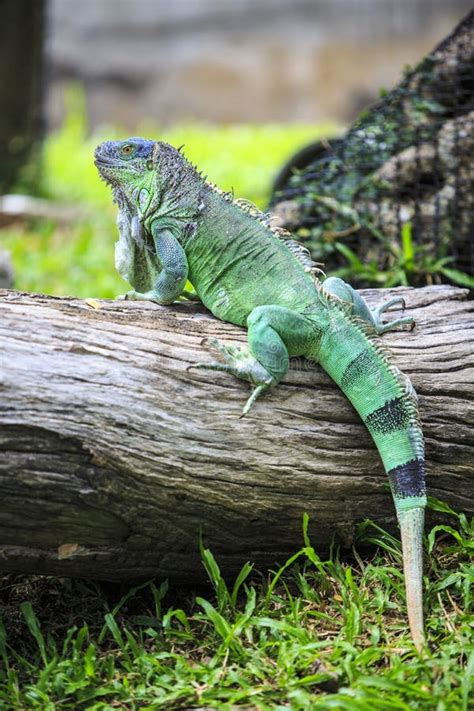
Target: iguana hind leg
(274, 333)
(360, 308)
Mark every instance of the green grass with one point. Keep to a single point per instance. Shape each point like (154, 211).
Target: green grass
(316, 634)
(79, 259)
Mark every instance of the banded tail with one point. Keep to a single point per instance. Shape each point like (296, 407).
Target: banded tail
(386, 401)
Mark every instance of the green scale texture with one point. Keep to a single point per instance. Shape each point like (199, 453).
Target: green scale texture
(234, 270)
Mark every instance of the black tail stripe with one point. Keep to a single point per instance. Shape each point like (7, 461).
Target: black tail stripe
(362, 365)
(391, 417)
(408, 479)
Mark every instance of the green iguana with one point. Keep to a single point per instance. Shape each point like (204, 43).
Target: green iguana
(175, 226)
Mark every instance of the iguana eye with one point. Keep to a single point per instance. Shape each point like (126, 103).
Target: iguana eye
(127, 149)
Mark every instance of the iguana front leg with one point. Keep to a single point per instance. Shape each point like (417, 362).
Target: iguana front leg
(360, 308)
(274, 334)
(171, 280)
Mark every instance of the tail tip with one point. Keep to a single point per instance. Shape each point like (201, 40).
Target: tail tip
(411, 528)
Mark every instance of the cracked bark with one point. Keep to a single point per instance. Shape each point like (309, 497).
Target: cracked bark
(114, 457)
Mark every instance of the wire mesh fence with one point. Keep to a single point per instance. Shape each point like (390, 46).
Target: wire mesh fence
(394, 197)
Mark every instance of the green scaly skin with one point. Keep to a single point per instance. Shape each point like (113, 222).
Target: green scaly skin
(176, 226)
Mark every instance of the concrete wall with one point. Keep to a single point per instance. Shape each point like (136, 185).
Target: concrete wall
(236, 60)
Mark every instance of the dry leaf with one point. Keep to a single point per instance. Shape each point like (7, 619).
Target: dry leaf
(93, 303)
(67, 550)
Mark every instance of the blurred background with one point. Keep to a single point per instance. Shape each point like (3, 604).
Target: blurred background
(242, 83)
(235, 61)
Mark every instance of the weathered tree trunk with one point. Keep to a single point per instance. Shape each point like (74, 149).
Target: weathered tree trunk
(113, 456)
(21, 75)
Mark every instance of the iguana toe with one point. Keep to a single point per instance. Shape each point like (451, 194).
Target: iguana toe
(385, 305)
(258, 390)
(380, 326)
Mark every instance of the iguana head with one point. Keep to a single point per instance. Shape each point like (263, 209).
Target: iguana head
(145, 175)
(127, 166)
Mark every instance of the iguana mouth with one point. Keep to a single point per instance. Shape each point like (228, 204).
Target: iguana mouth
(108, 163)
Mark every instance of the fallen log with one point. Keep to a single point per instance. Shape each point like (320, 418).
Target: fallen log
(113, 457)
(25, 208)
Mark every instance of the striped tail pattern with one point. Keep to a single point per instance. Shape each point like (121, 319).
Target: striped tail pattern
(383, 396)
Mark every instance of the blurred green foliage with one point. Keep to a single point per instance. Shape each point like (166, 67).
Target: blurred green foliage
(78, 259)
(410, 265)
